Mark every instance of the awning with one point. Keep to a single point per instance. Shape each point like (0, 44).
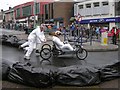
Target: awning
(72, 19)
(58, 19)
(20, 20)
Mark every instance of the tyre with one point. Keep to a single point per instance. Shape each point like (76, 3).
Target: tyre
(81, 54)
(45, 53)
(46, 46)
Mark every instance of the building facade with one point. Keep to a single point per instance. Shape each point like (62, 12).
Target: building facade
(24, 13)
(8, 18)
(100, 13)
(2, 18)
(58, 13)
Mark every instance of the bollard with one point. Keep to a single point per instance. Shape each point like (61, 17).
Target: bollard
(104, 38)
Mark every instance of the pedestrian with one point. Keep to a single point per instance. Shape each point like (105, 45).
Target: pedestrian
(115, 32)
(97, 32)
(26, 30)
(72, 27)
(35, 40)
(63, 30)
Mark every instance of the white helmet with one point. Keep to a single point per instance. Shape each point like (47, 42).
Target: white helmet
(42, 25)
(58, 33)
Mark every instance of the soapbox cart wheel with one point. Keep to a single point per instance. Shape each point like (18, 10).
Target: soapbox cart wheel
(45, 53)
(81, 54)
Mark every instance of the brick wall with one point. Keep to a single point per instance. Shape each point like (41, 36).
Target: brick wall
(64, 10)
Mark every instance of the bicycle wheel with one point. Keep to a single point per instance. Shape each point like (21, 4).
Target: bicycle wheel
(81, 54)
(46, 46)
(45, 53)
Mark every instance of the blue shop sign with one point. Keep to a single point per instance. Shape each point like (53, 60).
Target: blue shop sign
(101, 20)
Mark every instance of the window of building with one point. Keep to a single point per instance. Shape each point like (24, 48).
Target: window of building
(80, 6)
(18, 12)
(26, 11)
(105, 3)
(46, 11)
(96, 4)
(88, 5)
(11, 14)
(52, 11)
(117, 8)
(49, 10)
(37, 8)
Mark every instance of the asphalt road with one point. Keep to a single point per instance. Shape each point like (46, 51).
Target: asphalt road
(94, 58)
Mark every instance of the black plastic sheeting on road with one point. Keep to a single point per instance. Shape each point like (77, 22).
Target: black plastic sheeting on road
(4, 38)
(11, 40)
(76, 75)
(110, 71)
(6, 66)
(20, 42)
(41, 77)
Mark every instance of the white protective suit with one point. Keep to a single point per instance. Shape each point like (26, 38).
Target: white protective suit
(60, 45)
(36, 37)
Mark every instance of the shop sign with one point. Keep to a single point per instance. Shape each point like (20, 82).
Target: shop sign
(91, 21)
(110, 20)
(116, 19)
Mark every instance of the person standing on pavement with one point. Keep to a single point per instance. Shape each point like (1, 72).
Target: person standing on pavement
(97, 32)
(35, 40)
(114, 31)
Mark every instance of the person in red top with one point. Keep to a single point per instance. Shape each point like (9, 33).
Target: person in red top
(115, 33)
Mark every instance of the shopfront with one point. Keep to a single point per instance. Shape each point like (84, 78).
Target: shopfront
(103, 22)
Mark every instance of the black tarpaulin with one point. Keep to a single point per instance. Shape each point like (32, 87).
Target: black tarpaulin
(6, 66)
(42, 77)
(110, 71)
(78, 75)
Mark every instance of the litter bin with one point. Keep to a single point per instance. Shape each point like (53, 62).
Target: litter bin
(104, 38)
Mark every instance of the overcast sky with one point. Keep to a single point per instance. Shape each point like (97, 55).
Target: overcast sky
(5, 4)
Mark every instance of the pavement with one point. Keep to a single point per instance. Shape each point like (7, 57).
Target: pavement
(95, 46)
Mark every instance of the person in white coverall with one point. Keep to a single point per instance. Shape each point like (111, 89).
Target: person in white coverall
(59, 44)
(35, 39)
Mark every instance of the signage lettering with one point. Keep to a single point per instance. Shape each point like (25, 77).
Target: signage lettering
(93, 20)
(108, 20)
